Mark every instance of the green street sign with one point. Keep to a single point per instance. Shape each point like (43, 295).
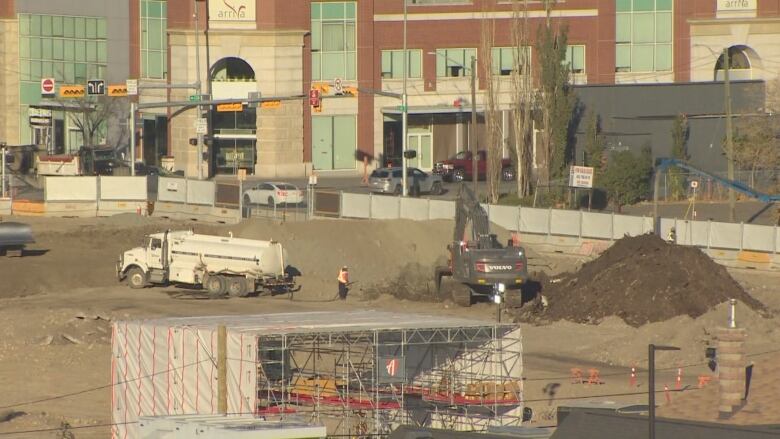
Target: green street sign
(194, 98)
(402, 108)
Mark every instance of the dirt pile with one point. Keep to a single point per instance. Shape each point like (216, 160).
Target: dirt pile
(413, 282)
(639, 279)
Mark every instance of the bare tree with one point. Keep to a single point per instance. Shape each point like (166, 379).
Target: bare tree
(680, 134)
(522, 97)
(756, 145)
(91, 115)
(492, 113)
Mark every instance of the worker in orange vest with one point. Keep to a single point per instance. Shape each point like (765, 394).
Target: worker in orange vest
(343, 282)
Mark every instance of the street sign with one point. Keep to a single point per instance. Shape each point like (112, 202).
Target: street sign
(194, 98)
(581, 176)
(47, 86)
(694, 184)
(132, 87)
(314, 97)
(271, 104)
(96, 87)
(338, 86)
(72, 91)
(233, 106)
(117, 90)
(253, 95)
(201, 126)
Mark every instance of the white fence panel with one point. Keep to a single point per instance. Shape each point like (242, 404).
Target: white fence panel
(70, 188)
(534, 220)
(759, 238)
(725, 235)
(200, 192)
(777, 239)
(440, 209)
(415, 209)
(627, 225)
(384, 207)
(173, 190)
(123, 188)
(355, 205)
(596, 225)
(565, 222)
(695, 233)
(507, 217)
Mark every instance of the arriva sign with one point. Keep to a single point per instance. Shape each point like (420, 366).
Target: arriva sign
(741, 8)
(232, 13)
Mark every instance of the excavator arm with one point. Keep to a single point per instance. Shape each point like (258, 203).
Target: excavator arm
(468, 210)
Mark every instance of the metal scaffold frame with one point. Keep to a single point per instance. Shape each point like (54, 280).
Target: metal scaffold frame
(460, 378)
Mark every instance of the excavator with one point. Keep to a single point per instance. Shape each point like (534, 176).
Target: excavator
(479, 266)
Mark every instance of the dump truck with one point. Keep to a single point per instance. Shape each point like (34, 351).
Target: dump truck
(14, 237)
(220, 265)
(479, 265)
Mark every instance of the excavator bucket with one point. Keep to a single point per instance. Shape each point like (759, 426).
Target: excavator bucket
(15, 235)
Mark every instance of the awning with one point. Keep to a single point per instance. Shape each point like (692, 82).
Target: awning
(431, 109)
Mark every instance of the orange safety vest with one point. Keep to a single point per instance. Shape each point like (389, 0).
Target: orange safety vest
(343, 276)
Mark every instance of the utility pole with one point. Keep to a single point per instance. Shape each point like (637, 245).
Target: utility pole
(132, 139)
(404, 117)
(729, 133)
(473, 130)
(199, 159)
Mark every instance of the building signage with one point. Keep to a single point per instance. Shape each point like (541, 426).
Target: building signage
(232, 13)
(736, 5)
(581, 176)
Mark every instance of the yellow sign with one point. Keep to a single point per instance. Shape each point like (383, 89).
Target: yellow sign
(350, 91)
(117, 90)
(235, 106)
(322, 87)
(72, 91)
(271, 104)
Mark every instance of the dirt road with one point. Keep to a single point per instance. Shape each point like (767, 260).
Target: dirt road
(56, 308)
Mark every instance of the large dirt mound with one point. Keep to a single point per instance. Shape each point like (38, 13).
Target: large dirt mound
(640, 279)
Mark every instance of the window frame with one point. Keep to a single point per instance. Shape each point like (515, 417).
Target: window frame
(157, 53)
(391, 72)
(627, 51)
(443, 56)
(347, 54)
(496, 68)
(570, 56)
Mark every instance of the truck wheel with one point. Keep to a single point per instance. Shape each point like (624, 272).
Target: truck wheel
(458, 175)
(136, 278)
(237, 287)
(461, 295)
(215, 285)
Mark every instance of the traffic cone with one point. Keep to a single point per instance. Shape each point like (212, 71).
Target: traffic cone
(632, 379)
(678, 385)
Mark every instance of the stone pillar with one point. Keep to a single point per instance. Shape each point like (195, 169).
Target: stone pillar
(731, 370)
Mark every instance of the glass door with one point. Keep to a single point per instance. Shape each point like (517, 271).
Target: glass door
(423, 144)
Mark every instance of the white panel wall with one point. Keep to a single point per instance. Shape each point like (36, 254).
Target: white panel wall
(123, 188)
(70, 189)
(384, 207)
(597, 225)
(172, 189)
(414, 208)
(759, 238)
(565, 222)
(534, 220)
(200, 192)
(355, 205)
(507, 217)
(725, 235)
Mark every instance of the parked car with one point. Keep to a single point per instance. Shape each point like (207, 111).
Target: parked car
(273, 193)
(459, 167)
(389, 181)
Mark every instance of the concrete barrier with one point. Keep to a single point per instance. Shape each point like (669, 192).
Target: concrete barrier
(440, 209)
(71, 209)
(70, 189)
(172, 189)
(356, 205)
(189, 212)
(28, 208)
(5, 206)
(385, 207)
(200, 192)
(110, 208)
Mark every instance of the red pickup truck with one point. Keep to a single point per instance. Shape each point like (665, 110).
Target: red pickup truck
(459, 167)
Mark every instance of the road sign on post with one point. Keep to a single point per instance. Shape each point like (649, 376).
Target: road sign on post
(132, 87)
(338, 86)
(96, 87)
(201, 126)
(47, 86)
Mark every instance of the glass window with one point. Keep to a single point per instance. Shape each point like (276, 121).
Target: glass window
(24, 24)
(504, 60)
(334, 40)
(392, 63)
(68, 27)
(46, 25)
(24, 47)
(80, 27)
(70, 50)
(58, 49)
(643, 35)
(46, 49)
(454, 62)
(35, 25)
(575, 56)
(154, 40)
(91, 30)
(56, 26)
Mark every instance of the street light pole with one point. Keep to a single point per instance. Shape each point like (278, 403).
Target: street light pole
(729, 134)
(404, 116)
(473, 130)
(651, 348)
(199, 159)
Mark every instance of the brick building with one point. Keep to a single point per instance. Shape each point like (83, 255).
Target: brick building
(283, 48)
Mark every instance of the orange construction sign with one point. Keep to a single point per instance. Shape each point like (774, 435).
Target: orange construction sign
(233, 106)
(72, 91)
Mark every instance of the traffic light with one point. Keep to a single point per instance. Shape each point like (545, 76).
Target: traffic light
(193, 141)
(410, 154)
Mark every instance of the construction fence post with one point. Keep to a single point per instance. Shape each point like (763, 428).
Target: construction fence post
(341, 203)
(222, 369)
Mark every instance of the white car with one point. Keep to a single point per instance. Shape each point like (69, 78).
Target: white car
(272, 194)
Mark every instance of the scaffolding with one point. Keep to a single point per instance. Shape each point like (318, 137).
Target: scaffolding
(359, 372)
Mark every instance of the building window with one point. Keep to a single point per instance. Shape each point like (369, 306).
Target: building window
(51, 47)
(154, 39)
(575, 57)
(438, 2)
(333, 41)
(454, 62)
(504, 60)
(643, 35)
(393, 64)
